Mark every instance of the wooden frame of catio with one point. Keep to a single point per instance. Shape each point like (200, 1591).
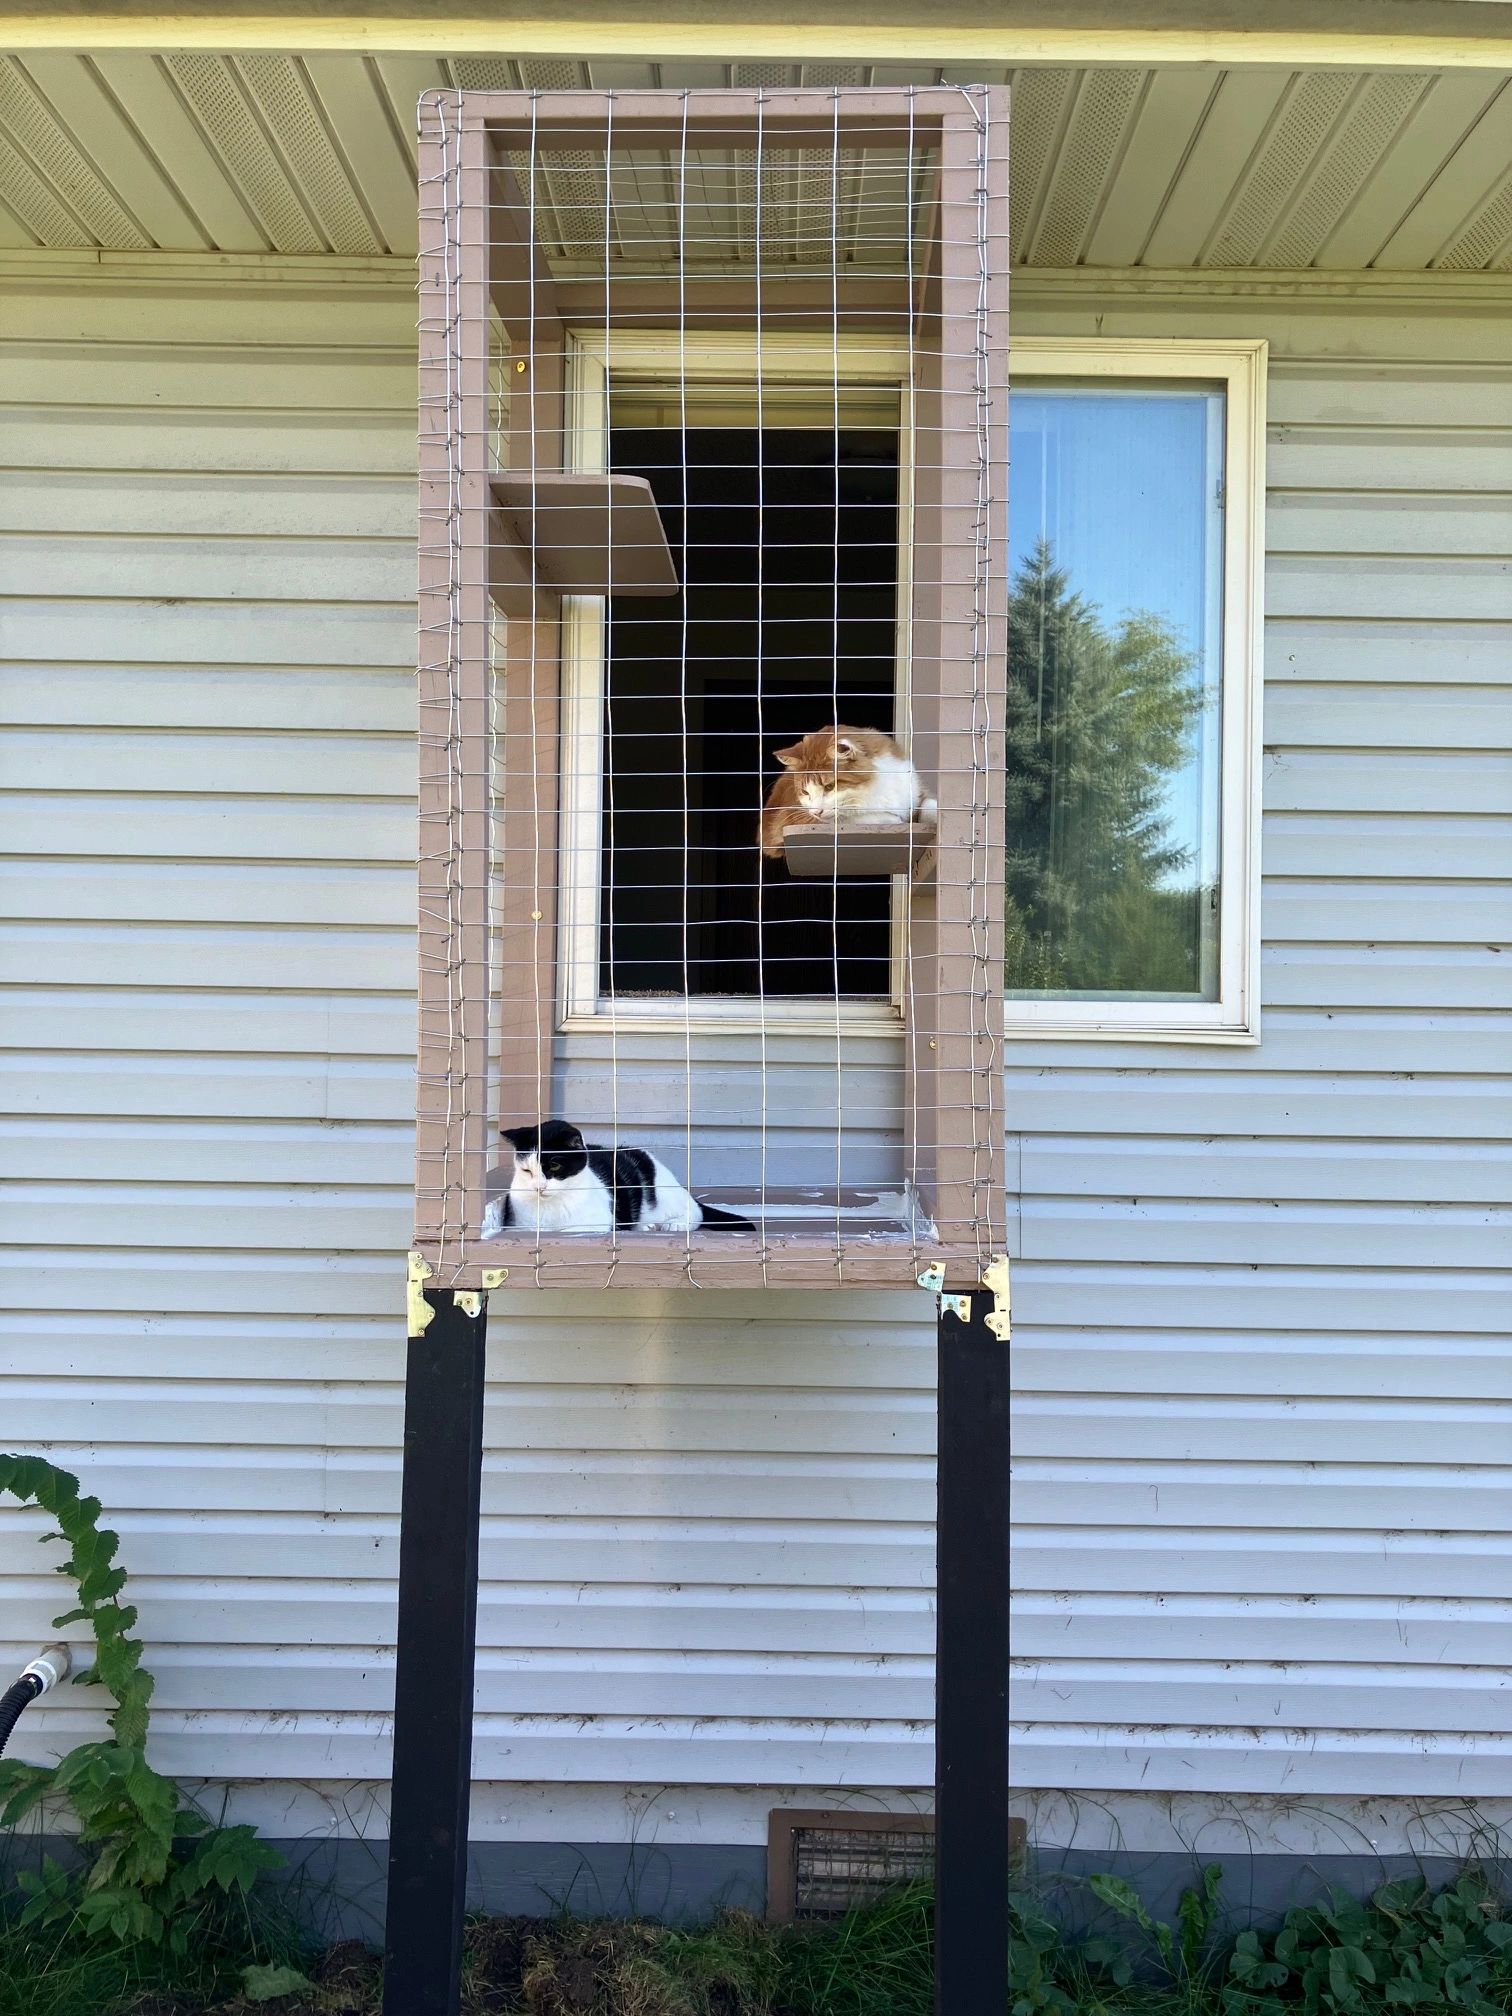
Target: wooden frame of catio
(514, 539)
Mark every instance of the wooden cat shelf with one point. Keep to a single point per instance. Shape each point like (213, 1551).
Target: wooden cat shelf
(587, 535)
(822, 851)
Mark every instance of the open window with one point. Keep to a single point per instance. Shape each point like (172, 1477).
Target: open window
(781, 472)
(712, 677)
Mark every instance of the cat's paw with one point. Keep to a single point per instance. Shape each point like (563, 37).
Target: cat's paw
(928, 813)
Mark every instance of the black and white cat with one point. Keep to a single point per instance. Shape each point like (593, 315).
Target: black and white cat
(562, 1183)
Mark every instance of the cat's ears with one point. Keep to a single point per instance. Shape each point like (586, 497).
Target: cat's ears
(792, 759)
(530, 1137)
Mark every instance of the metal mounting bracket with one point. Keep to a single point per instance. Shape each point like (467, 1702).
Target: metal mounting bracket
(471, 1301)
(995, 1281)
(419, 1310)
(933, 1281)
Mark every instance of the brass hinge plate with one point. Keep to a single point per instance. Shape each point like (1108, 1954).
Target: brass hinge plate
(994, 1280)
(418, 1309)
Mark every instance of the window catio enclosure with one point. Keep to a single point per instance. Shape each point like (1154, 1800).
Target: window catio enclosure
(713, 588)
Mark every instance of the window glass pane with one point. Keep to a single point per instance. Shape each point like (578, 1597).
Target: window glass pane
(1114, 678)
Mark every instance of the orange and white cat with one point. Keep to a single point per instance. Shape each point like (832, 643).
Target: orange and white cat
(853, 776)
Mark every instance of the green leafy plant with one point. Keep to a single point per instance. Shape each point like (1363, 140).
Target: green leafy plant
(1037, 1961)
(1405, 1948)
(149, 1859)
(1180, 1948)
(272, 1983)
(1408, 1948)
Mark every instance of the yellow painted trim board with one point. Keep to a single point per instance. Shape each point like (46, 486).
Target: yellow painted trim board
(578, 33)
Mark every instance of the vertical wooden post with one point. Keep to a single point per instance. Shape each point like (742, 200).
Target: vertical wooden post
(971, 1669)
(454, 1127)
(433, 1687)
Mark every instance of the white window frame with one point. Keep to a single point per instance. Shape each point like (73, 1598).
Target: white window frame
(663, 356)
(1239, 367)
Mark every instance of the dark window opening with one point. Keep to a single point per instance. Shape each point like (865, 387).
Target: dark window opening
(787, 546)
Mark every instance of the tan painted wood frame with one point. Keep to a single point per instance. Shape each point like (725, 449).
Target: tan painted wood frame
(478, 774)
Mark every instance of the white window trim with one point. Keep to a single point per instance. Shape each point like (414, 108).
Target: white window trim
(656, 355)
(1240, 367)
(662, 356)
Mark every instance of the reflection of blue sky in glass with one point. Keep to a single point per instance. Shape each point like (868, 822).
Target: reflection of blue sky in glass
(1123, 483)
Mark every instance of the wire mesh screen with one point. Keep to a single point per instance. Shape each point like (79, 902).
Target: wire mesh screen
(712, 650)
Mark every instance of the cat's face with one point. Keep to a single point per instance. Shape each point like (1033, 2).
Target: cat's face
(832, 761)
(546, 1157)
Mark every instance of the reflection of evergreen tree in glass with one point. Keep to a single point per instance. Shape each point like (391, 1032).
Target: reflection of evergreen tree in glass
(1099, 719)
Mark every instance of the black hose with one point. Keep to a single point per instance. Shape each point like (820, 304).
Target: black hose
(51, 1665)
(14, 1700)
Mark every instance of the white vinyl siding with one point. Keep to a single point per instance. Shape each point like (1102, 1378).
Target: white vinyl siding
(706, 1548)
(1264, 1413)
(1261, 1437)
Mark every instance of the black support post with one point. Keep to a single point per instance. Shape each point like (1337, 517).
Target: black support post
(971, 1674)
(433, 1689)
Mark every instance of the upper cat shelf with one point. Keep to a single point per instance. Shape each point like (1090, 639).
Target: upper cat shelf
(578, 534)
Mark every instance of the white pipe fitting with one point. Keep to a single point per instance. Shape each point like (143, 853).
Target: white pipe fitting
(52, 1664)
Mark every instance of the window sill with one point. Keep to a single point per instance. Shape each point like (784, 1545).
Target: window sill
(745, 1016)
(1110, 1029)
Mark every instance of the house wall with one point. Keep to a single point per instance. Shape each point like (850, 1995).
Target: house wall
(1262, 1427)
(1262, 1431)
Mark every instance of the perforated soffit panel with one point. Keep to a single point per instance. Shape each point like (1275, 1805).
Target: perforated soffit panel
(1401, 170)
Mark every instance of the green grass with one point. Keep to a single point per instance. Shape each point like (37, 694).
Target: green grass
(878, 1962)
(1407, 1951)
(61, 1972)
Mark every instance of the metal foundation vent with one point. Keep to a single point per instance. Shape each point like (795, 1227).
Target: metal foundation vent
(821, 1865)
